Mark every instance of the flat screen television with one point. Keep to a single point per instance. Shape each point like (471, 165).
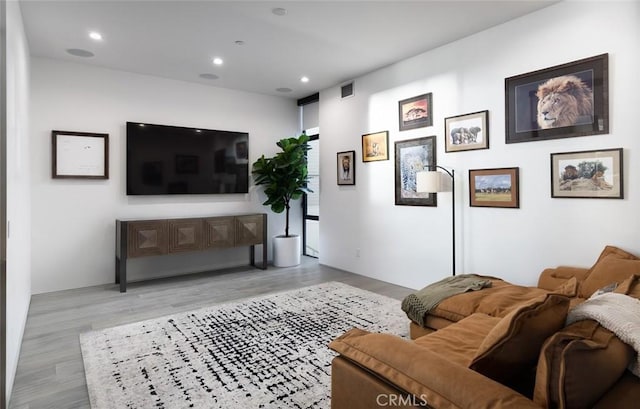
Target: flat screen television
(168, 160)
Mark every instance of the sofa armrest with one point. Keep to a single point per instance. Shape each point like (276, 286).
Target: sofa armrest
(424, 374)
(552, 278)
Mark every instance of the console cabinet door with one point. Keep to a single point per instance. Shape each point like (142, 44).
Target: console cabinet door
(219, 232)
(147, 238)
(185, 235)
(249, 230)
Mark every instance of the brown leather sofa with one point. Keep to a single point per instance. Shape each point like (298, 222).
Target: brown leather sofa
(501, 347)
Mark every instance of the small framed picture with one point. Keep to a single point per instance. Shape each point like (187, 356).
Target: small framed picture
(564, 101)
(79, 155)
(494, 187)
(416, 112)
(375, 146)
(346, 168)
(588, 174)
(412, 156)
(467, 132)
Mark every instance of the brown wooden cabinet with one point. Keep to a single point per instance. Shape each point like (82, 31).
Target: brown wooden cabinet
(219, 232)
(185, 235)
(249, 230)
(147, 238)
(142, 238)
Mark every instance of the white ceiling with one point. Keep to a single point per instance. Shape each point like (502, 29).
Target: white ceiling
(328, 41)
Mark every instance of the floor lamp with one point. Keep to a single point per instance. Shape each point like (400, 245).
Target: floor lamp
(428, 181)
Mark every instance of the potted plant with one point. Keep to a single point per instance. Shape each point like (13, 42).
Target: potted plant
(285, 179)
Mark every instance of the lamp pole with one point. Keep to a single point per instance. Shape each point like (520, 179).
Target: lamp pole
(451, 174)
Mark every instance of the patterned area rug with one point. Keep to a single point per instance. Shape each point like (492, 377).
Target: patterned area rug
(266, 352)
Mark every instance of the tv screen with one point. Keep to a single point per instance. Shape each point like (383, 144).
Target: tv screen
(166, 160)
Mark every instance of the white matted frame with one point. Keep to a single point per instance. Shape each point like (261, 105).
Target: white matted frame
(466, 132)
(596, 174)
(79, 155)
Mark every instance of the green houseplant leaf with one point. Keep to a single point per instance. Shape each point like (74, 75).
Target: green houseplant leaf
(284, 176)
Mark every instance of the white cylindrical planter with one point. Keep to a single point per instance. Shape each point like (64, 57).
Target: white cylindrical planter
(286, 251)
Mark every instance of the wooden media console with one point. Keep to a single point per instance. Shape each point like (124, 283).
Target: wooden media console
(142, 238)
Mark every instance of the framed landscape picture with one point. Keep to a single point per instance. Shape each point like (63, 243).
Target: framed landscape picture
(346, 169)
(466, 132)
(375, 146)
(413, 156)
(416, 112)
(494, 187)
(587, 174)
(559, 102)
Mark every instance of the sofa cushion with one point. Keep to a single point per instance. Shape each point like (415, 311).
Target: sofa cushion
(615, 251)
(424, 374)
(496, 301)
(610, 269)
(568, 288)
(512, 347)
(552, 278)
(630, 286)
(459, 342)
(578, 365)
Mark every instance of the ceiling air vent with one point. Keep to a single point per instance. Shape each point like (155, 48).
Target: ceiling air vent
(347, 90)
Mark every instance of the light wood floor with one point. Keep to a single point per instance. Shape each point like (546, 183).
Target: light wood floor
(50, 370)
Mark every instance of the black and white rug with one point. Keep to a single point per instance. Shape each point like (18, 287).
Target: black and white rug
(266, 352)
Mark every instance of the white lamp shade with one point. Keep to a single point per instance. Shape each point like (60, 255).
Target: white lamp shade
(428, 182)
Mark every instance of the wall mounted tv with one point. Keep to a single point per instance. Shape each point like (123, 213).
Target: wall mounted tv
(167, 160)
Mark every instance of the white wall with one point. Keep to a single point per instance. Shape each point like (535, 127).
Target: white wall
(411, 246)
(18, 192)
(73, 238)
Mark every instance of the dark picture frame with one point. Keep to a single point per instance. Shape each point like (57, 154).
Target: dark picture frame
(466, 132)
(594, 174)
(346, 168)
(416, 112)
(412, 156)
(375, 146)
(499, 187)
(79, 155)
(563, 101)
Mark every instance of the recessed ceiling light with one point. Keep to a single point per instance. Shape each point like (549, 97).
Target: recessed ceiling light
(217, 61)
(208, 76)
(284, 89)
(304, 79)
(279, 11)
(95, 35)
(78, 52)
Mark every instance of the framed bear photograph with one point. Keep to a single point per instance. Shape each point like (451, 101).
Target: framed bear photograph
(563, 101)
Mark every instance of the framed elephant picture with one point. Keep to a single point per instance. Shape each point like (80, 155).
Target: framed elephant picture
(466, 132)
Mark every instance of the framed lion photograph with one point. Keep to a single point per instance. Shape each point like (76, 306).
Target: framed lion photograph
(563, 101)
(346, 169)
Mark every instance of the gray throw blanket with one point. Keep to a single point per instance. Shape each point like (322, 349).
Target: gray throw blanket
(418, 304)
